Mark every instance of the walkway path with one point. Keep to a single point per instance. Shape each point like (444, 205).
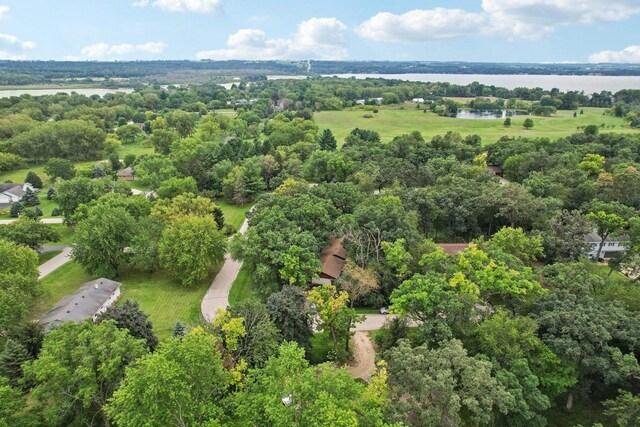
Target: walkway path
(218, 294)
(364, 357)
(43, 220)
(55, 262)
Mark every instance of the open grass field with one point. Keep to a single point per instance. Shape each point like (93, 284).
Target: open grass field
(233, 214)
(66, 234)
(159, 295)
(393, 121)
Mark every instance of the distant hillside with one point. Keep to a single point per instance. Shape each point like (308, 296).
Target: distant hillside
(17, 73)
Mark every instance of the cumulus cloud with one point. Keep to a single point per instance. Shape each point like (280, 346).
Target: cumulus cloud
(422, 25)
(529, 19)
(11, 40)
(4, 11)
(628, 55)
(319, 38)
(8, 56)
(197, 6)
(105, 50)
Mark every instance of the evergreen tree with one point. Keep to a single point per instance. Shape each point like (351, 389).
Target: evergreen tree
(33, 179)
(129, 316)
(327, 140)
(116, 164)
(51, 193)
(30, 198)
(179, 330)
(37, 211)
(16, 210)
(11, 361)
(98, 172)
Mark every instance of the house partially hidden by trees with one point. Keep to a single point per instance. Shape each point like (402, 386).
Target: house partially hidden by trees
(126, 174)
(92, 299)
(452, 248)
(612, 245)
(333, 258)
(12, 192)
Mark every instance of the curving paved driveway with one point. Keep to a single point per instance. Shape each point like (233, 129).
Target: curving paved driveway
(217, 296)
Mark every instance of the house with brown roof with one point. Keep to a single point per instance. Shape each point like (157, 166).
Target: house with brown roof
(333, 258)
(452, 248)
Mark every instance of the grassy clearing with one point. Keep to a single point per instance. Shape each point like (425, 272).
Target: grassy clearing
(233, 214)
(66, 234)
(137, 149)
(159, 295)
(242, 289)
(393, 121)
(321, 345)
(164, 299)
(46, 256)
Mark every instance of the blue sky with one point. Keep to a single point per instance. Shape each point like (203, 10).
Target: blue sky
(463, 30)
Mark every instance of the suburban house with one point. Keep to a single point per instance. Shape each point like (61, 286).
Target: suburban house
(126, 174)
(11, 192)
(496, 170)
(418, 100)
(91, 300)
(452, 248)
(612, 245)
(333, 257)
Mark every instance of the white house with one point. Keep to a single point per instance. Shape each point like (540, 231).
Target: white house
(360, 102)
(612, 245)
(418, 100)
(11, 192)
(92, 299)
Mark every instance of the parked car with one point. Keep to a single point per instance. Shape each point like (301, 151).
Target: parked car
(384, 310)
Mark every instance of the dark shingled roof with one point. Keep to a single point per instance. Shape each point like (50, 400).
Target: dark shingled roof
(16, 188)
(453, 248)
(81, 305)
(333, 258)
(126, 172)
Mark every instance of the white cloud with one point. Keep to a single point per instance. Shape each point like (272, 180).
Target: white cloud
(529, 19)
(422, 25)
(197, 6)
(319, 38)
(533, 19)
(105, 50)
(8, 56)
(628, 55)
(12, 40)
(4, 11)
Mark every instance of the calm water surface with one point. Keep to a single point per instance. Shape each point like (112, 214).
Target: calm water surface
(589, 84)
(39, 92)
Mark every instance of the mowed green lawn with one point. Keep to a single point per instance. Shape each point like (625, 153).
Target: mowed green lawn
(242, 288)
(393, 121)
(159, 295)
(233, 214)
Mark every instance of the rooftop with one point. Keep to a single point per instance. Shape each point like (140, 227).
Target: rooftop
(83, 304)
(333, 258)
(452, 248)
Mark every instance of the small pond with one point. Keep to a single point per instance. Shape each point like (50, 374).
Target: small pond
(485, 114)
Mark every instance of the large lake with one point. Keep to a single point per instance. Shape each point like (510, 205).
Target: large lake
(589, 84)
(39, 92)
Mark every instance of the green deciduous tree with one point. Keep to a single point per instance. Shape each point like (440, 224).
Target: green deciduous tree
(19, 285)
(29, 232)
(625, 409)
(101, 240)
(79, 368)
(11, 403)
(59, 168)
(261, 338)
(515, 242)
(289, 392)
(606, 224)
(175, 186)
(435, 387)
(183, 384)
(189, 248)
(288, 310)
